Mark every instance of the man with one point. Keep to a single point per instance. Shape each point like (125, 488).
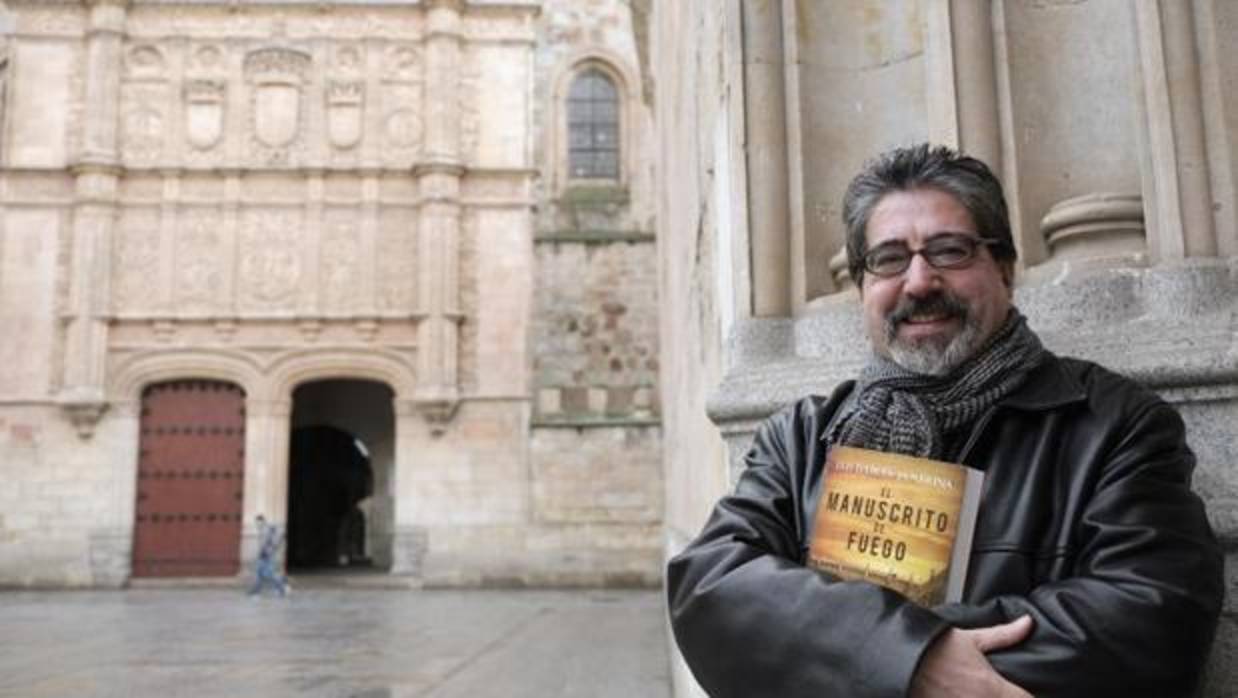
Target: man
(270, 539)
(1093, 570)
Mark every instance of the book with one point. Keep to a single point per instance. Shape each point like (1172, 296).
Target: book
(903, 522)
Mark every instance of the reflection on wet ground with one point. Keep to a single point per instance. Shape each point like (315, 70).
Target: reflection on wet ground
(345, 643)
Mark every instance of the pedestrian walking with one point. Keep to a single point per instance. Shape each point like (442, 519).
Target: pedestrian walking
(270, 538)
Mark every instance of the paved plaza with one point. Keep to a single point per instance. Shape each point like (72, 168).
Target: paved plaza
(346, 643)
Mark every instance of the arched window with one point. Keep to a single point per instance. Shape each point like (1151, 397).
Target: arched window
(593, 127)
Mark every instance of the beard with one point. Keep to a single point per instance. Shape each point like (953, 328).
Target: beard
(934, 356)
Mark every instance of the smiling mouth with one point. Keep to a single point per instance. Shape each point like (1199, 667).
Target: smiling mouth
(927, 319)
(920, 317)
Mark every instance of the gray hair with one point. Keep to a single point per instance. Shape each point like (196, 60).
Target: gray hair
(933, 167)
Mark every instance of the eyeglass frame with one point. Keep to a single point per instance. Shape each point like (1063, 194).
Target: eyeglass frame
(972, 242)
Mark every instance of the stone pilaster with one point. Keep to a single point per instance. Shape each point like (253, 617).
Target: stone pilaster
(96, 177)
(768, 204)
(962, 78)
(1177, 190)
(267, 435)
(439, 175)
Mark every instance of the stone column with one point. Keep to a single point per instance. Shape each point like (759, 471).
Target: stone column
(766, 129)
(962, 78)
(267, 431)
(438, 176)
(96, 177)
(1177, 190)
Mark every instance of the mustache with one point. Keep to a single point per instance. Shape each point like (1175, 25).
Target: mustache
(939, 303)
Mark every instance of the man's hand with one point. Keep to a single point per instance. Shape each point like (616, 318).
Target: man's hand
(955, 666)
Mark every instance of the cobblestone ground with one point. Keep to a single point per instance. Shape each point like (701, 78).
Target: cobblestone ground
(333, 642)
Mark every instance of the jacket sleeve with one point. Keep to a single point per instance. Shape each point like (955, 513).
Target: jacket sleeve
(752, 621)
(1138, 615)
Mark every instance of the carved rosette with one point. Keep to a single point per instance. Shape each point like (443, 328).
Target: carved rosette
(276, 79)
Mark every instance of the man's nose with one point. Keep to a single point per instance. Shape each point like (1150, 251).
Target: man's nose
(921, 277)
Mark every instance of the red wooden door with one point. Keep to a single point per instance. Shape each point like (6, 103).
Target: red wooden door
(190, 480)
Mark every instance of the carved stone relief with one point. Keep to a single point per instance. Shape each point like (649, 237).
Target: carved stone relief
(206, 97)
(402, 123)
(397, 261)
(270, 253)
(345, 105)
(276, 78)
(199, 271)
(135, 261)
(341, 264)
(345, 97)
(469, 114)
(204, 112)
(144, 94)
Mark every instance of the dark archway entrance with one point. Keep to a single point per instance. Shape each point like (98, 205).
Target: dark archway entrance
(330, 477)
(191, 474)
(340, 463)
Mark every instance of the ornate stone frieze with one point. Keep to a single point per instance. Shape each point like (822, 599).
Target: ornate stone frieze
(342, 268)
(397, 262)
(136, 261)
(36, 20)
(199, 266)
(270, 254)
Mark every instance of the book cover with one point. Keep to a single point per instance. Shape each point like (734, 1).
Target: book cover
(903, 522)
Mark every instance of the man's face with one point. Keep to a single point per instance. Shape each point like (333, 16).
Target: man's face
(930, 320)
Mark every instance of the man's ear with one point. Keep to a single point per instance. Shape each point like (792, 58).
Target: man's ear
(1007, 270)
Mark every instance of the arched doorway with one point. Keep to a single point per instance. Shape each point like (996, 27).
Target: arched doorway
(330, 478)
(340, 460)
(191, 474)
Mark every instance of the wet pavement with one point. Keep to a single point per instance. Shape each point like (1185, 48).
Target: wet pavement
(346, 643)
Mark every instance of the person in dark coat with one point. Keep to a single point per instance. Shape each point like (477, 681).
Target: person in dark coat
(1093, 570)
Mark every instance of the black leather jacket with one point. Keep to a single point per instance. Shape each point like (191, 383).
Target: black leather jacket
(1087, 523)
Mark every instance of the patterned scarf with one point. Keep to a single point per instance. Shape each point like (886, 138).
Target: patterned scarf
(898, 411)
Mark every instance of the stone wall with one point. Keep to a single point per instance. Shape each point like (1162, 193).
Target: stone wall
(1109, 123)
(272, 194)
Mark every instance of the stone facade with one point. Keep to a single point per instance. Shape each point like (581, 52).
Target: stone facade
(348, 210)
(1112, 124)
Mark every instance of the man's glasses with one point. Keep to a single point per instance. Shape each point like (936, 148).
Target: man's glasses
(945, 251)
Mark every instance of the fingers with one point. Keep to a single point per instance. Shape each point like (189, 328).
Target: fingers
(998, 637)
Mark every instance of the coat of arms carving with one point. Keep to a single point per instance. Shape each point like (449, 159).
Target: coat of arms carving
(204, 113)
(344, 110)
(276, 77)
